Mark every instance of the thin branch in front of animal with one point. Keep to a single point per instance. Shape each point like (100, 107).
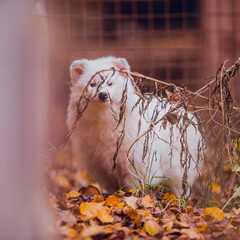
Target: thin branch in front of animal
(151, 127)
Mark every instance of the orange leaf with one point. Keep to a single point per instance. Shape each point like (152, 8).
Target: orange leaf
(212, 214)
(104, 216)
(112, 201)
(89, 210)
(98, 198)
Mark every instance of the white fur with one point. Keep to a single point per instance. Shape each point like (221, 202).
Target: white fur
(94, 139)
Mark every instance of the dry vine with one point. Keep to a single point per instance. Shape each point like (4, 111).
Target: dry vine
(213, 105)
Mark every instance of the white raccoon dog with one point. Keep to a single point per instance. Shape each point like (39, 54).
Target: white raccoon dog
(166, 152)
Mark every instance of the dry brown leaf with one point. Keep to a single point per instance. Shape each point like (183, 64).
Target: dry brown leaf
(175, 98)
(190, 233)
(89, 191)
(67, 216)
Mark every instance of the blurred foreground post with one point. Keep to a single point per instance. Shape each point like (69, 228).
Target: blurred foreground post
(23, 214)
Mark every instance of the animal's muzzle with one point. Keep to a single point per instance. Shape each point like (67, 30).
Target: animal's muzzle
(103, 96)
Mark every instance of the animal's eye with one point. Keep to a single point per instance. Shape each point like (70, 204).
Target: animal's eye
(109, 84)
(93, 84)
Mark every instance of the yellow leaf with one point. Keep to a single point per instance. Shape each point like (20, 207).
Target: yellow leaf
(112, 201)
(73, 195)
(104, 216)
(131, 191)
(151, 227)
(168, 226)
(89, 210)
(212, 214)
(148, 202)
(172, 198)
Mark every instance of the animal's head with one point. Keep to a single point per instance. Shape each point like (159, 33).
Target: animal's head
(105, 86)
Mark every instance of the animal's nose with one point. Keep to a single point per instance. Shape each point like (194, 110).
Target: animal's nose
(102, 95)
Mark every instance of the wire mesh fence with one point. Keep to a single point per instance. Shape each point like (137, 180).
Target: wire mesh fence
(178, 41)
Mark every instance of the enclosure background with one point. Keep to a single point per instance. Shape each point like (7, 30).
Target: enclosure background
(178, 41)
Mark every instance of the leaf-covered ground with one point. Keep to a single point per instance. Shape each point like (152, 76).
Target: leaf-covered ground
(85, 211)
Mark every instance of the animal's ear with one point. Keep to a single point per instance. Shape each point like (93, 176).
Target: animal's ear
(76, 69)
(122, 64)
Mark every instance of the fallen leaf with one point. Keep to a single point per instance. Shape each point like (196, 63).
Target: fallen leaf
(203, 228)
(145, 213)
(167, 227)
(98, 198)
(131, 201)
(89, 210)
(104, 216)
(151, 227)
(148, 202)
(92, 231)
(212, 214)
(112, 201)
(73, 195)
(170, 197)
(190, 233)
(89, 191)
(67, 216)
